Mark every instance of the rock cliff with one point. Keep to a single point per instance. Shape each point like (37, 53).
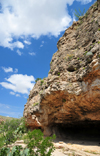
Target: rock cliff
(71, 92)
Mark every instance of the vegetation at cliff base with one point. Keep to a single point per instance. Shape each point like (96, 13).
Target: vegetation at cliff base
(11, 130)
(43, 146)
(15, 129)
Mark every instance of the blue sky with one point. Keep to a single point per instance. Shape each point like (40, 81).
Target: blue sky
(29, 31)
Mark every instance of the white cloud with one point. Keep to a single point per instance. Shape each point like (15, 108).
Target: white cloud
(42, 44)
(32, 53)
(27, 42)
(85, 1)
(19, 52)
(17, 95)
(31, 18)
(16, 70)
(16, 44)
(9, 69)
(12, 93)
(19, 83)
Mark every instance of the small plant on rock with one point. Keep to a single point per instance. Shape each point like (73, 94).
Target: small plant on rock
(42, 81)
(35, 104)
(58, 74)
(79, 13)
(85, 53)
(63, 100)
(37, 79)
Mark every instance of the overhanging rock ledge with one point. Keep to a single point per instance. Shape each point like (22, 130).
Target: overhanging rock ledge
(71, 92)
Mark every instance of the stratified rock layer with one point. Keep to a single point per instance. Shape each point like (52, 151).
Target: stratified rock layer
(71, 92)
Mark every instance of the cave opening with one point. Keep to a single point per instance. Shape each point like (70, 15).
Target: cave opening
(80, 131)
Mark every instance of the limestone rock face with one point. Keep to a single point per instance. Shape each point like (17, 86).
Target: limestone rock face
(71, 92)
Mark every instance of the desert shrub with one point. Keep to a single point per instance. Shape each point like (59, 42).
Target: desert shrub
(38, 145)
(2, 140)
(4, 151)
(16, 151)
(11, 130)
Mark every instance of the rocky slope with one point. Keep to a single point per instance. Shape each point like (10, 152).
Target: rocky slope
(71, 92)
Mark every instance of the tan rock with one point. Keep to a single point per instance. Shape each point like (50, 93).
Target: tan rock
(71, 92)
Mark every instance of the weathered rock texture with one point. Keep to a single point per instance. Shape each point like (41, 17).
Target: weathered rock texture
(71, 92)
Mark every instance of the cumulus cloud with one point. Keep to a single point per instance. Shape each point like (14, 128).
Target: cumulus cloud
(9, 69)
(19, 83)
(32, 18)
(32, 53)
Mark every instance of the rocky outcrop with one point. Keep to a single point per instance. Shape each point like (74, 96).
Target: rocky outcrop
(71, 92)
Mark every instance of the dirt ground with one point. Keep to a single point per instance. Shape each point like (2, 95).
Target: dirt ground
(76, 147)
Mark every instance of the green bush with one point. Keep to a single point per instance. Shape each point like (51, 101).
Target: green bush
(11, 130)
(38, 145)
(16, 151)
(4, 151)
(2, 140)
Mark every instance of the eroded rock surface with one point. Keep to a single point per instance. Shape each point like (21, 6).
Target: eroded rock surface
(71, 92)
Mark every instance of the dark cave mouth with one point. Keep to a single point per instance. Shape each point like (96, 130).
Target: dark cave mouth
(86, 130)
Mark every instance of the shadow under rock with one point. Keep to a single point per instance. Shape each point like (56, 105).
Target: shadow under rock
(83, 133)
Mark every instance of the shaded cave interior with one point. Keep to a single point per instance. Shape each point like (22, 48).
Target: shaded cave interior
(78, 131)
